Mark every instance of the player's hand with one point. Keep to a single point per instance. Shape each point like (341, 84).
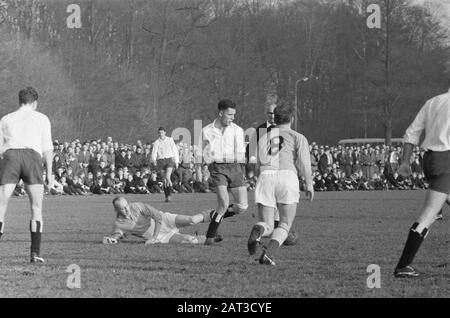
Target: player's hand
(109, 240)
(404, 169)
(151, 241)
(310, 194)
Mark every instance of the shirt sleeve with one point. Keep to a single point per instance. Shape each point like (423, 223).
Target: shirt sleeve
(155, 150)
(304, 160)
(240, 145)
(119, 230)
(2, 139)
(47, 144)
(412, 135)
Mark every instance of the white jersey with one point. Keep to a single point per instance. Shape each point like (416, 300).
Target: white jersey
(25, 128)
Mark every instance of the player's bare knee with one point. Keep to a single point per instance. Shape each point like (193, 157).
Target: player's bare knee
(239, 208)
(421, 228)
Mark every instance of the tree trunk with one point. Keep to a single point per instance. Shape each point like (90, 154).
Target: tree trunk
(388, 131)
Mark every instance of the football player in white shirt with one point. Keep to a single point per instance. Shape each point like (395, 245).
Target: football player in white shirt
(224, 152)
(25, 140)
(165, 156)
(433, 119)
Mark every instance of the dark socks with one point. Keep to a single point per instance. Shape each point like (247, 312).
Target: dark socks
(412, 245)
(167, 191)
(35, 229)
(1, 229)
(213, 225)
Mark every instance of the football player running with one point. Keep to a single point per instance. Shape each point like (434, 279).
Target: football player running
(283, 154)
(144, 221)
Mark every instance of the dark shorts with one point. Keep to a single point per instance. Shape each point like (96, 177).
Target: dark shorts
(227, 174)
(436, 167)
(25, 164)
(163, 164)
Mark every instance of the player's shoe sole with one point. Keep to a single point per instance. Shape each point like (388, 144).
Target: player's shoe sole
(266, 259)
(254, 239)
(34, 259)
(405, 272)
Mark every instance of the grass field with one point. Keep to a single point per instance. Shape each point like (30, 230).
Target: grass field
(340, 234)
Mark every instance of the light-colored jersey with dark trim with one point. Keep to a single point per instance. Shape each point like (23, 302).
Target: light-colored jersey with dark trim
(140, 222)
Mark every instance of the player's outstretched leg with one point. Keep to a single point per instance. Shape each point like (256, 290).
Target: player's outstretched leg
(279, 235)
(433, 203)
(216, 218)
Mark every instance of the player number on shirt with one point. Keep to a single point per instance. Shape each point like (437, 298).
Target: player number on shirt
(275, 145)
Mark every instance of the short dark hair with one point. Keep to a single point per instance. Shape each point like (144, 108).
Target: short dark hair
(161, 128)
(283, 114)
(224, 104)
(27, 96)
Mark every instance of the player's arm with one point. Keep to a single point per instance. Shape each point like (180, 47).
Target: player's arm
(411, 139)
(157, 216)
(2, 139)
(47, 151)
(240, 146)
(155, 151)
(115, 237)
(304, 165)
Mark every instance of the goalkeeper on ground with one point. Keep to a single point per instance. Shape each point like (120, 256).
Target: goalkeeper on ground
(144, 221)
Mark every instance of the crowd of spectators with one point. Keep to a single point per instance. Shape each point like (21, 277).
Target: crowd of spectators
(368, 167)
(110, 167)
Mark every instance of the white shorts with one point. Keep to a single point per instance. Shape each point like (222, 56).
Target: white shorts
(168, 228)
(277, 186)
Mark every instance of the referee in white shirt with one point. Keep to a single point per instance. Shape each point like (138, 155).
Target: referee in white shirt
(166, 157)
(224, 151)
(25, 140)
(434, 120)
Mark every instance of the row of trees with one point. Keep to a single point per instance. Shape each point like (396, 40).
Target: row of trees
(135, 65)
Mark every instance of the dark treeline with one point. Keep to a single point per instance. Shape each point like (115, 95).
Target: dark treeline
(135, 65)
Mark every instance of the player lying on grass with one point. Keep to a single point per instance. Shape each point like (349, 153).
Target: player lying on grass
(144, 221)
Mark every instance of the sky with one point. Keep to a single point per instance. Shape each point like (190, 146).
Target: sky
(443, 15)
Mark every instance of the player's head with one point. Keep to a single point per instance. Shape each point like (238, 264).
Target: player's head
(28, 96)
(283, 114)
(270, 115)
(161, 132)
(121, 206)
(227, 110)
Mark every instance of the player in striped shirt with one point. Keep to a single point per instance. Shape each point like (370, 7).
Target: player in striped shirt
(144, 221)
(283, 154)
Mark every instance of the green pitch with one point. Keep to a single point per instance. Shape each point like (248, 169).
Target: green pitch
(339, 234)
